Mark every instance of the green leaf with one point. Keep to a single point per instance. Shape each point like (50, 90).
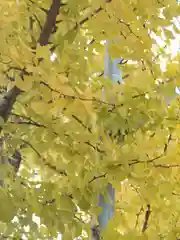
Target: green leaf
(7, 208)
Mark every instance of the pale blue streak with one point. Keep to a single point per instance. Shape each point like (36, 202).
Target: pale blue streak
(111, 68)
(106, 203)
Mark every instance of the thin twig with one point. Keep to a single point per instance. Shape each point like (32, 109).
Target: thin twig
(39, 23)
(146, 219)
(49, 165)
(166, 165)
(62, 95)
(82, 22)
(80, 122)
(94, 147)
(138, 215)
(97, 177)
(29, 121)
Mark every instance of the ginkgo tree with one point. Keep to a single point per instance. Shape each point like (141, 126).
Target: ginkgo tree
(63, 139)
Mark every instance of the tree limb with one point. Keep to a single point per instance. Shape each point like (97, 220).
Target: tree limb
(7, 101)
(50, 22)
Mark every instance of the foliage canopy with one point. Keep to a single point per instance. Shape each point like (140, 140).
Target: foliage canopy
(71, 141)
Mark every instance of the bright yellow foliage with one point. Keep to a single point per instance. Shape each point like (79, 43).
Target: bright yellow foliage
(61, 124)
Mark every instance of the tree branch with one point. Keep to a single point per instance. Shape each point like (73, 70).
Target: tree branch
(146, 220)
(7, 101)
(21, 120)
(95, 233)
(81, 123)
(71, 97)
(9, 98)
(166, 165)
(96, 148)
(97, 177)
(15, 160)
(50, 22)
(82, 22)
(49, 165)
(138, 215)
